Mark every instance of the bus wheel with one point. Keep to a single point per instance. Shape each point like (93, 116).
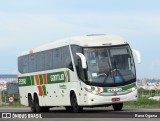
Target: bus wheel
(117, 106)
(37, 106)
(75, 106)
(31, 104)
(69, 108)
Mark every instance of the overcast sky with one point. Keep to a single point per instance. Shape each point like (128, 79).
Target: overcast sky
(26, 24)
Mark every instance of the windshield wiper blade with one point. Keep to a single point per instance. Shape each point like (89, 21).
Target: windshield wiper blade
(101, 74)
(106, 76)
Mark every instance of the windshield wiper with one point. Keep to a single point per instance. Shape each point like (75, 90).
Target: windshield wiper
(106, 76)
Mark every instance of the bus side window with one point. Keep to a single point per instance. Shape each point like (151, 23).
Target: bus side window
(57, 61)
(40, 61)
(20, 64)
(82, 74)
(66, 58)
(48, 62)
(25, 64)
(32, 63)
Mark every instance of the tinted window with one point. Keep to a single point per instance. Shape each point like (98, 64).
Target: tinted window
(77, 61)
(57, 61)
(20, 64)
(45, 60)
(66, 58)
(40, 61)
(25, 64)
(32, 63)
(48, 60)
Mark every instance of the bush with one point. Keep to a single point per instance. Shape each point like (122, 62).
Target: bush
(144, 102)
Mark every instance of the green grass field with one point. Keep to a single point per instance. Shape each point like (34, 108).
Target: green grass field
(143, 102)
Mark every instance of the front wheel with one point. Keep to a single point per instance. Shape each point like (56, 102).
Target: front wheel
(117, 106)
(74, 104)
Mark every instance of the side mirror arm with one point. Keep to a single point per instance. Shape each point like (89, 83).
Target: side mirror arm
(138, 55)
(83, 60)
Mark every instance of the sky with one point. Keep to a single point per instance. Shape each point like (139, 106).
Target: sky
(26, 24)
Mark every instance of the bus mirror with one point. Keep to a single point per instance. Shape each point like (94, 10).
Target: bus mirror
(138, 55)
(83, 60)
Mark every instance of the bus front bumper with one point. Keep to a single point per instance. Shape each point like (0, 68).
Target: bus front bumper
(94, 99)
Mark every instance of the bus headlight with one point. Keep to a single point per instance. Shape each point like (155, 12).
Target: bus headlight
(93, 91)
(88, 89)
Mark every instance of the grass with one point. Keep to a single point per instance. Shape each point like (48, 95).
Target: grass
(15, 105)
(143, 103)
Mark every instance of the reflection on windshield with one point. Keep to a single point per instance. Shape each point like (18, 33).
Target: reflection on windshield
(110, 64)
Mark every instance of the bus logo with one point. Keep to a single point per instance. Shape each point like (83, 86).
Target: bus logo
(22, 81)
(57, 77)
(114, 89)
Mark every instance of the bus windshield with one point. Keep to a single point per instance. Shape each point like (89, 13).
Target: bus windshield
(109, 65)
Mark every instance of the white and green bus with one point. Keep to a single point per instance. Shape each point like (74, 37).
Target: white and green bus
(77, 72)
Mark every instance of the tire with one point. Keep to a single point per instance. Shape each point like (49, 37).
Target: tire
(31, 104)
(33, 107)
(69, 108)
(74, 104)
(117, 106)
(37, 106)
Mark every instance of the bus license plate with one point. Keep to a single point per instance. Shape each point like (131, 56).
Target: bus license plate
(115, 99)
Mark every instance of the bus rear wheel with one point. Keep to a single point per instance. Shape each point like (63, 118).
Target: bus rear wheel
(117, 106)
(31, 104)
(37, 106)
(76, 108)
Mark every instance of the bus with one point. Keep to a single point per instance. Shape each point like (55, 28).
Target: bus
(77, 72)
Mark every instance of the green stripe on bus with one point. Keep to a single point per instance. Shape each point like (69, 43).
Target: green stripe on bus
(32, 80)
(128, 86)
(44, 90)
(105, 89)
(24, 81)
(123, 88)
(41, 79)
(52, 78)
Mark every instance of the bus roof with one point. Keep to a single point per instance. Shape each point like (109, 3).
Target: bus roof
(84, 41)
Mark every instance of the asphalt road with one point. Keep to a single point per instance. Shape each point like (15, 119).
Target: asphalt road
(89, 114)
(86, 110)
